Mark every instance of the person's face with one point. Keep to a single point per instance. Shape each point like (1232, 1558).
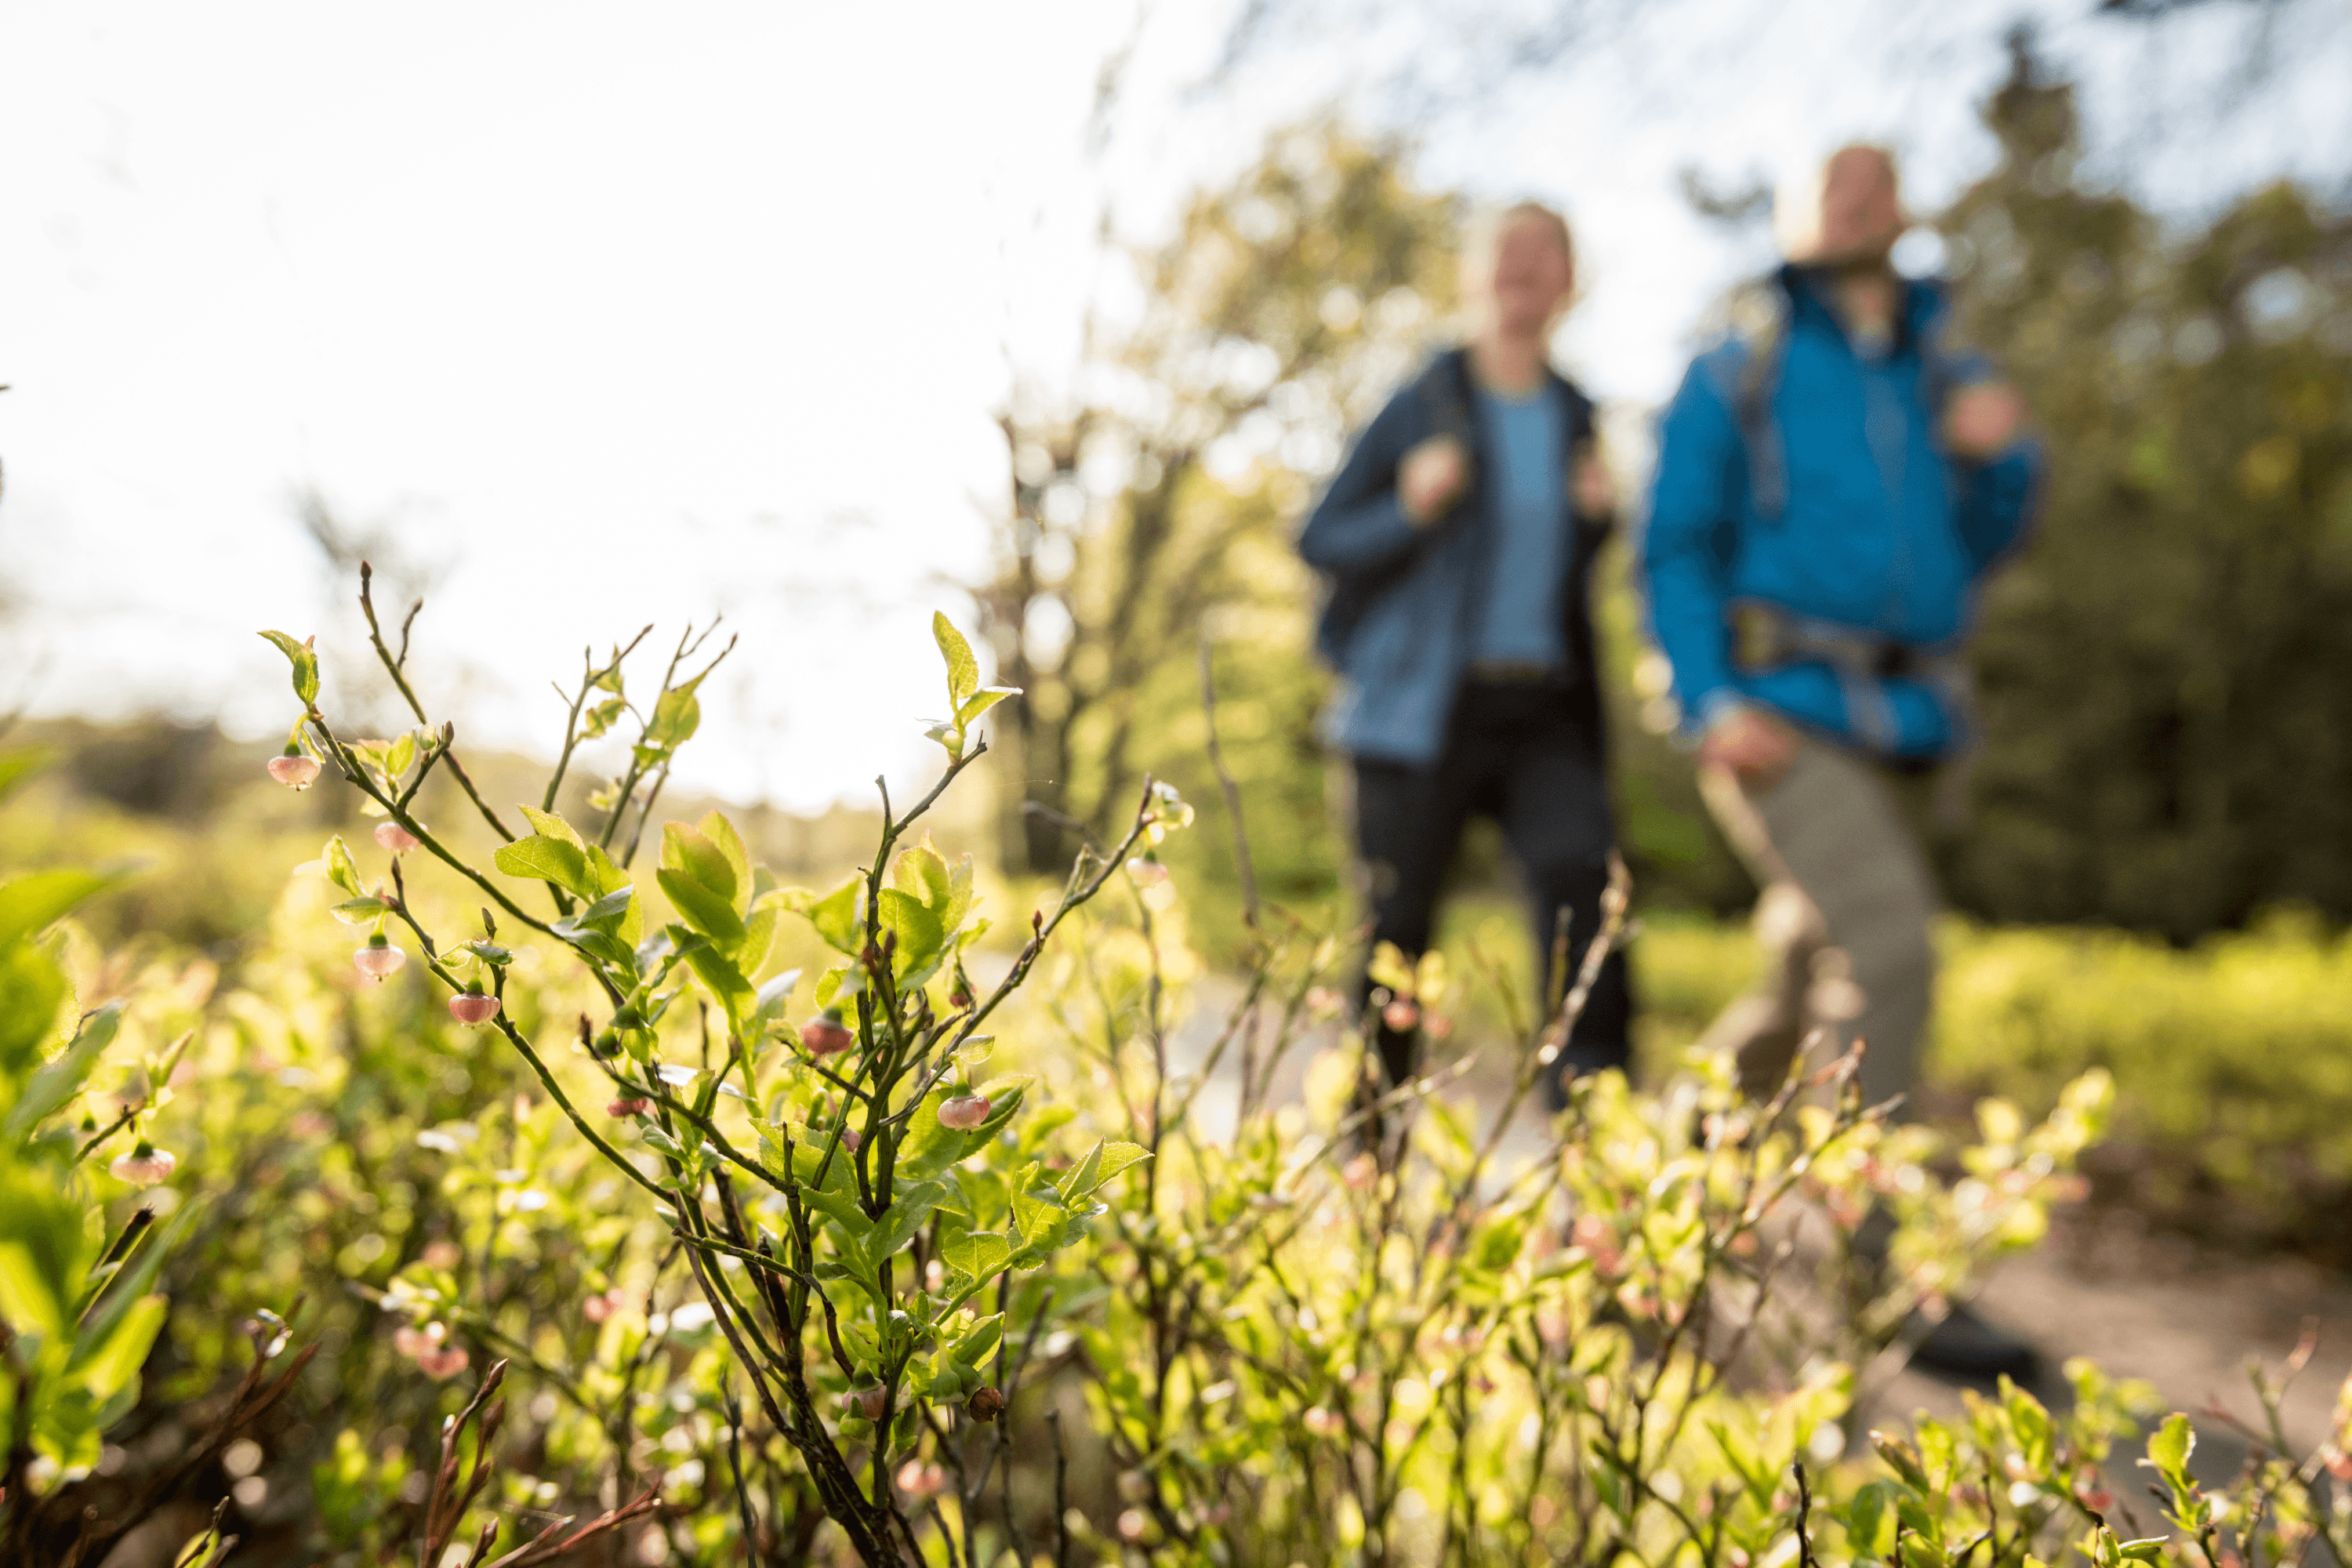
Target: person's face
(1533, 276)
(1862, 212)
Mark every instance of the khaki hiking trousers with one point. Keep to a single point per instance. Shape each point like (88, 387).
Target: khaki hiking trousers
(1845, 921)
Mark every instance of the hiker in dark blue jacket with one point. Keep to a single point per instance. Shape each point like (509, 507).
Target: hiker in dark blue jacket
(1833, 484)
(1456, 540)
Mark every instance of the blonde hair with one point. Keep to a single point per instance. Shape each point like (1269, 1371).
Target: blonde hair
(1797, 199)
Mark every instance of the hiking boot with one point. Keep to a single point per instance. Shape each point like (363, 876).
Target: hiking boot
(1966, 1347)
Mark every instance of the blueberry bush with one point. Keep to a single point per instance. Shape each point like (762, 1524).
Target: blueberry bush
(549, 1183)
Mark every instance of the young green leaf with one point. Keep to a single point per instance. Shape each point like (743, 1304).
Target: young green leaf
(305, 663)
(963, 670)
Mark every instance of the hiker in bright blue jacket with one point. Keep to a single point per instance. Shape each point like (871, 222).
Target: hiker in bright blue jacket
(1456, 540)
(1833, 484)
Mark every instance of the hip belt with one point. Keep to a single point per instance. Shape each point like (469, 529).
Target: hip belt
(1767, 636)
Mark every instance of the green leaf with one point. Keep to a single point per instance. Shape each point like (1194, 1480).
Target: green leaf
(358, 911)
(1104, 1161)
(31, 992)
(305, 663)
(341, 869)
(2169, 1450)
(759, 934)
(727, 986)
(31, 904)
(601, 718)
(835, 914)
(722, 837)
(918, 930)
(18, 765)
(963, 670)
(690, 853)
(978, 1254)
(981, 700)
(548, 824)
(59, 1081)
(921, 873)
(774, 998)
(707, 911)
(910, 1209)
(542, 859)
(979, 1340)
(678, 713)
(1863, 1517)
(839, 1205)
(109, 1364)
(401, 754)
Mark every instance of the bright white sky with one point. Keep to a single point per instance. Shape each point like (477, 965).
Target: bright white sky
(629, 312)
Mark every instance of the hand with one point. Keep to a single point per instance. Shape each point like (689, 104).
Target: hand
(1982, 419)
(1594, 488)
(1756, 748)
(1432, 478)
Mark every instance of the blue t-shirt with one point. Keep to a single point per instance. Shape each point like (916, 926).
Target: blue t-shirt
(1521, 624)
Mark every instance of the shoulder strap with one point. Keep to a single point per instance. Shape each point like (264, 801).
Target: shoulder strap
(1759, 324)
(1441, 394)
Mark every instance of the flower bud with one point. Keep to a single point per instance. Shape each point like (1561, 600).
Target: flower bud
(866, 1401)
(379, 960)
(1323, 1422)
(145, 1166)
(986, 1405)
(1323, 1002)
(471, 1006)
(442, 1253)
(598, 1308)
(964, 1112)
(392, 836)
(920, 1481)
(294, 770)
(826, 1034)
(633, 1105)
(1400, 1016)
(1146, 870)
(442, 1365)
(852, 1140)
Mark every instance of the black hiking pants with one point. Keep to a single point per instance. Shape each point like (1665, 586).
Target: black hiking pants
(1529, 756)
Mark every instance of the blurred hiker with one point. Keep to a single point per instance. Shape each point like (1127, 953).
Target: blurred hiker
(1457, 541)
(1833, 484)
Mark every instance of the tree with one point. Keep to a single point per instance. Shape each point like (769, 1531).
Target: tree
(2170, 725)
(1164, 486)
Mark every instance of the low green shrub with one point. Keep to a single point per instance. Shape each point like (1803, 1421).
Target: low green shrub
(595, 1222)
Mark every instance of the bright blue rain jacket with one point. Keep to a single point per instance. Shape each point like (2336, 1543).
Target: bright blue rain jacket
(1400, 616)
(1879, 532)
